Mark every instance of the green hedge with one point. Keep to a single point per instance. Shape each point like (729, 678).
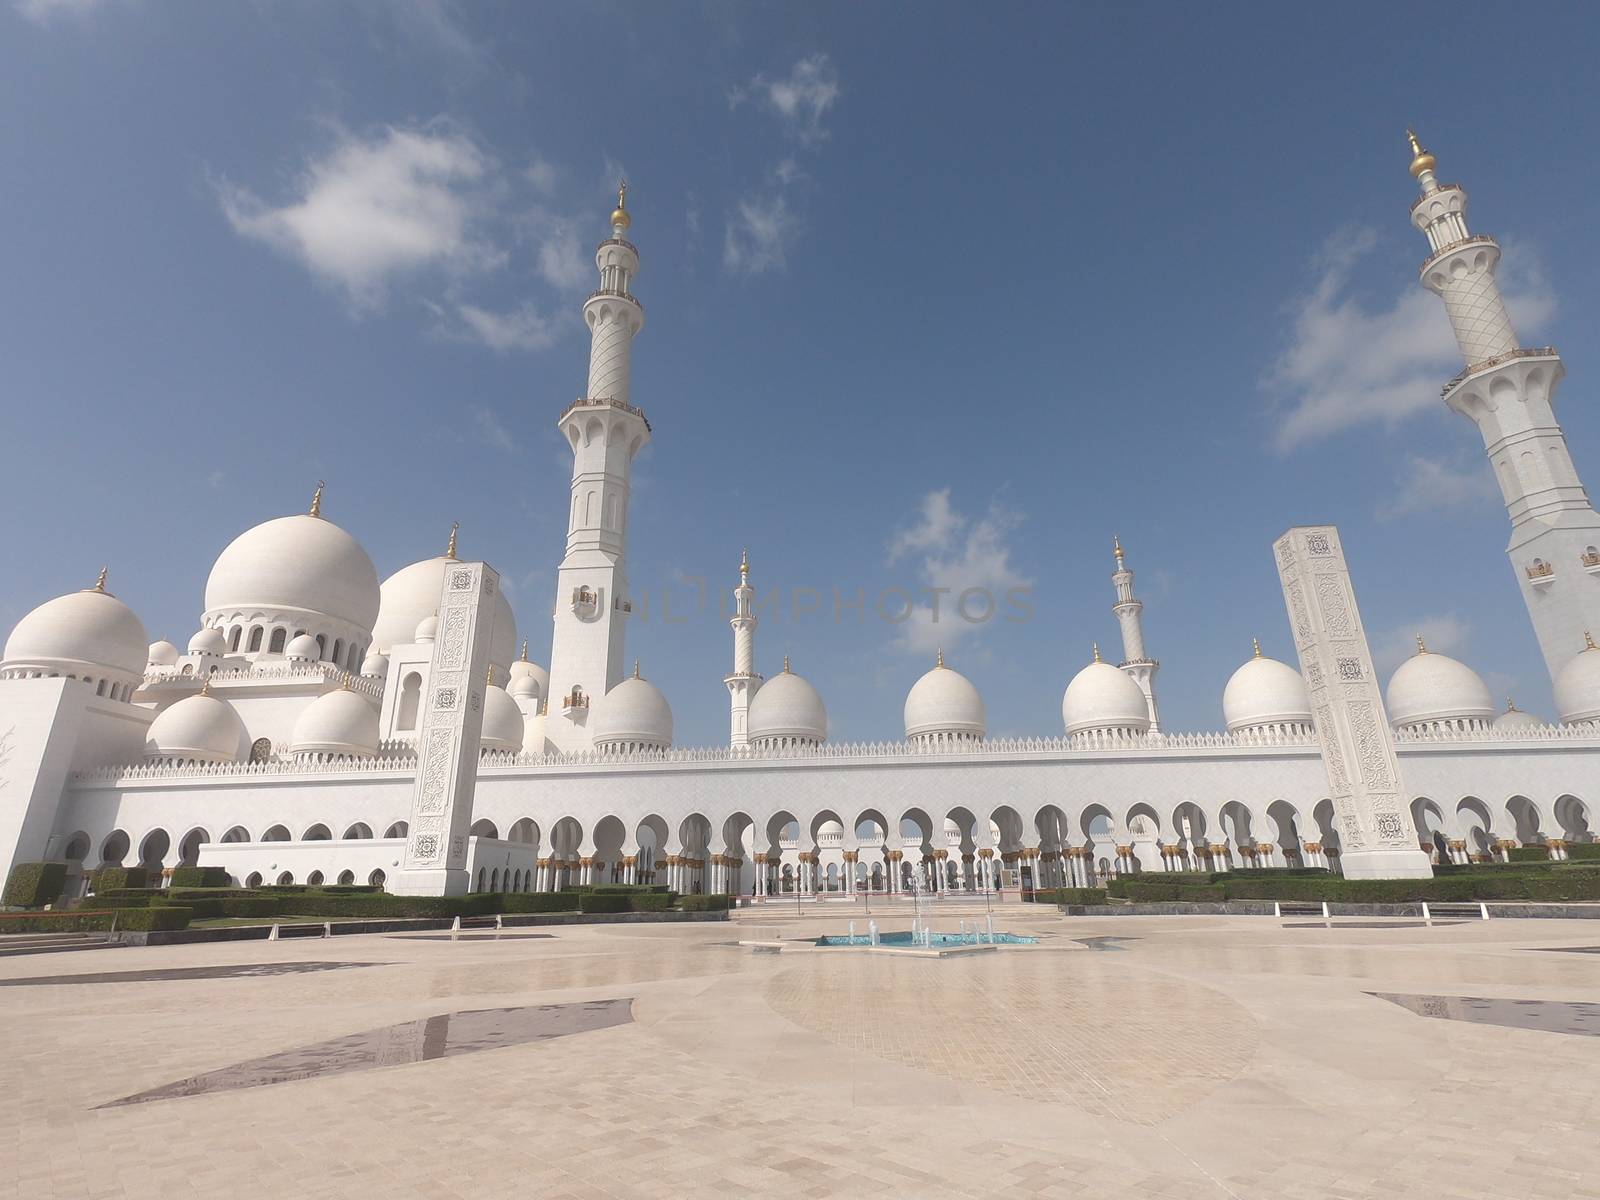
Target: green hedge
(233, 906)
(78, 921)
(1160, 893)
(33, 885)
(538, 902)
(1579, 851)
(199, 877)
(603, 902)
(161, 916)
(650, 902)
(381, 904)
(629, 888)
(716, 902)
(1528, 854)
(1071, 895)
(109, 878)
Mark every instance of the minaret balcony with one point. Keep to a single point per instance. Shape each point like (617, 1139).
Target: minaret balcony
(1591, 561)
(1541, 574)
(614, 294)
(1477, 239)
(585, 601)
(604, 402)
(1497, 360)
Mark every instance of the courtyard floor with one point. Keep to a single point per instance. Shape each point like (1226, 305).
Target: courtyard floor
(1122, 1056)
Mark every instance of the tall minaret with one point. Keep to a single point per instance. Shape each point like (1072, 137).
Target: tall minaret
(743, 683)
(1128, 609)
(1507, 389)
(605, 431)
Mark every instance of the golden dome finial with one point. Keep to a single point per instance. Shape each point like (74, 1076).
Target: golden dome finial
(100, 583)
(1422, 646)
(450, 547)
(1116, 546)
(316, 499)
(1421, 160)
(744, 565)
(344, 681)
(1256, 642)
(205, 686)
(786, 670)
(490, 679)
(1511, 705)
(938, 660)
(619, 215)
(636, 674)
(524, 649)
(1588, 641)
(1097, 652)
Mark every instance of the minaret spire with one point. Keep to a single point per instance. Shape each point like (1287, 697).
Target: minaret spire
(1129, 609)
(605, 431)
(1506, 389)
(742, 683)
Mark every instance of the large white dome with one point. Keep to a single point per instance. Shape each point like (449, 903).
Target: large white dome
(1103, 697)
(523, 672)
(411, 595)
(634, 713)
(340, 722)
(299, 564)
(787, 707)
(1435, 687)
(198, 728)
(79, 633)
(502, 721)
(944, 702)
(1578, 686)
(1265, 692)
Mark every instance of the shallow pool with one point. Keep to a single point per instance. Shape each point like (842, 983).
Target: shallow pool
(902, 940)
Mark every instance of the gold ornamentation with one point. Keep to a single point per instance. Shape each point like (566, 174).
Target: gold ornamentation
(450, 550)
(316, 500)
(100, 583)
(1256, 642)
(619, 215)
(1421, 160)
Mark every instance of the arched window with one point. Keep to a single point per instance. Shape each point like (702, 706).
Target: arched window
(314, 879)
(338, 651)
(398, 830)
(279, 637)
(322, 647)
(410, 700)
(233, 638)
(253, 880)
(353, 662)
(260, 750)
(346, 878)
(255, 639)
(377, 878)
(482, 876)
(285, 879)
(237, 834)
(317, 833)
(494, 880)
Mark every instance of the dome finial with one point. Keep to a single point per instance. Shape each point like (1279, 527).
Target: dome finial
(450, 548)
(636, 674)
(619, 215)
(1588, 641)
(316, 499)
(524, 649)
(1422, 646)
(1096, 651)
(490, 680)
(1116, 547)
(744, 565)
(938, 661)
(1256, 642)
(1511, 705)
(344, 681)
(205, 685)
(100, 583)
(1421, 160)
(786, 670)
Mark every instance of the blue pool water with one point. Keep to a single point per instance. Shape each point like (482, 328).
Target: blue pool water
(902, 940)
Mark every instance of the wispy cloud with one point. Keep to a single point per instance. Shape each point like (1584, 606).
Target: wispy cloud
(561, 258)
(373, 209)
(1444, 633)
(1438, 484)
(522, 328)
(757, 236)
(489, 427)
(955, 551)
(1348, 363)
(803, 98)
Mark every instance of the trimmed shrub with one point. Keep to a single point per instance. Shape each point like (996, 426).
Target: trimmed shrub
(538, 902)
(381, 904)
(347, 889)
(649, 902)
(1072, 895)
(1527, 854)
(1159, 893)
(716, 902)
(109, 878)
(629, 888)
(159, 916)
(199, 877)
(78, 921)
(33, 885)
(602, 902)
(1583, 850)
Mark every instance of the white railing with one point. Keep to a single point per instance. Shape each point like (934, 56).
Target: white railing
(366, 685)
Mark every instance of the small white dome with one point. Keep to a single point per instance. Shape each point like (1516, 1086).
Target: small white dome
(533, 737)
(161, 654)
(1515, 718)
(944, 702)
(633, 713)
(302, 648)
(427, 629)
(951, 825)
(1578, 686)
(524, 687)
(411, 595)
(1435, 687)
(502, 721)
(340, 722)
(830, 828)
(91, 628)
(786, 706)
(523, 669)
(301, 563)
(375, 665)
(1265, 692)
(200, 728)
(208, 641)
(1102, 697)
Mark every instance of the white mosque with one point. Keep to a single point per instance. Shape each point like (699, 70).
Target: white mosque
(280, 740)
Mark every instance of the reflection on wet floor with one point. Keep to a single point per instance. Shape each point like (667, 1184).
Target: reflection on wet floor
(1548, 1016)
(465, 937)
(443, 1036)
(241, 971)
(1365, 925)
(1105, 943)
(1568, 949)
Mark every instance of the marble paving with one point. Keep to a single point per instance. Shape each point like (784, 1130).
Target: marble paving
(1177, 1056)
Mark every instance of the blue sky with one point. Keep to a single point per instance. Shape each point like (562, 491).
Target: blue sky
(936, 295)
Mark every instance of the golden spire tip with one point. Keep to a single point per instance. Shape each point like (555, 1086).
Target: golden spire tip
(450, 548)
(205, 686)
(786, 670)
(636, 674)
(939, 658)
(316, 499)
(100, 583)
(490, 679)
(1116, 546)
(1256, 642)
(619, 215)
(1097, 652)
(1421, 160)
(1511, 705)
(1422, 647)
(524, 649)
(1588, 641)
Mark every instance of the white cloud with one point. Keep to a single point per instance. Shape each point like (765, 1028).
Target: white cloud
(802, 99)
(758, 235)
(543, 175)
(1430, 484)
(1443, 633)
(955, 552)
(373, 209)
(489, 427)
(562, 261)
(43, 12)
(1349, 364)
(522, 328)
